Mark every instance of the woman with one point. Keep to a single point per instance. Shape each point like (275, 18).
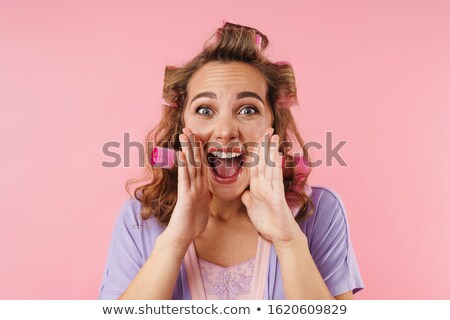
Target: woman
(223, 225)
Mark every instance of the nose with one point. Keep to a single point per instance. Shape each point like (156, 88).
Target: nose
(226, 130)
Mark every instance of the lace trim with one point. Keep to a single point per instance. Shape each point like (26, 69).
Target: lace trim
(227, 283)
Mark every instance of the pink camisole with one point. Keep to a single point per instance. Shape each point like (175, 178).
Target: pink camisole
(254, 271)
(227, 283)
(209, 281)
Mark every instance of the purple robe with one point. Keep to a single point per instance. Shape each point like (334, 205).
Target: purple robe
(327, 231)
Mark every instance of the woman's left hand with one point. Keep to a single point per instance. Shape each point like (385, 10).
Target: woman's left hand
(265, 201)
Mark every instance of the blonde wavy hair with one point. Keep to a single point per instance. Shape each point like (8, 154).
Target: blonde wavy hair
(231, 42)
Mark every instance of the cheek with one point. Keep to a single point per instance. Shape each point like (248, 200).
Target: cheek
(255, 130)
(201, 129)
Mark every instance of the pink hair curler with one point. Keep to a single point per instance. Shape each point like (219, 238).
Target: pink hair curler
(282, 63)
(165, 158)
(258, 41)
(286, 101)
(166, 103)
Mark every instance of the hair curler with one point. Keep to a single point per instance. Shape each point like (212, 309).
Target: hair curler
(165, 158)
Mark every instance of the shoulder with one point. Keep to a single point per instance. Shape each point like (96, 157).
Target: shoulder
(326, 196)
(328, 234)
(130, 221)
(129, 214)
(130, 210)
(329, 212)
(327, 201)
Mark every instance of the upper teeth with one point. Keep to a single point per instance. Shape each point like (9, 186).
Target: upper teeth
(228, 155)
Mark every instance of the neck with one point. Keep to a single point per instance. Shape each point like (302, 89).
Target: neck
(226, 210)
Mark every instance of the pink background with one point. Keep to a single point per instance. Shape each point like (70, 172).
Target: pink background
(75, 76)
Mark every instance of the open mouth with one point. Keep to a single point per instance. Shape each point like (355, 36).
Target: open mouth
(226, 165)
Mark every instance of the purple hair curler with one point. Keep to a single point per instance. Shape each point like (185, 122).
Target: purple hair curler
(165, 158)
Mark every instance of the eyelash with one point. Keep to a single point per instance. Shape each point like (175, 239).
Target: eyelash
(247, 106)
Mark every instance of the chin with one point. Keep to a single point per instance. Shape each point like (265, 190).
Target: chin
(227, 196)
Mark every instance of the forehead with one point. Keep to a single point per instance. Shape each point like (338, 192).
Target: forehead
(227, 77)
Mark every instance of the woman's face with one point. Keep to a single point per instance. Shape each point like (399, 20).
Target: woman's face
(227, 108)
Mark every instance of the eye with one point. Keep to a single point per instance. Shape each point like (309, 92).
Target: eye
(204, 111)
(248, 110)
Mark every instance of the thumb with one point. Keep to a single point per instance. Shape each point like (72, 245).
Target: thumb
(245, 198)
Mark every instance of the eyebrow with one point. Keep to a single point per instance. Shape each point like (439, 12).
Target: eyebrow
(240, 95)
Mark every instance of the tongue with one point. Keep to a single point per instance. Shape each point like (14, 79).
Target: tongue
(226, 168)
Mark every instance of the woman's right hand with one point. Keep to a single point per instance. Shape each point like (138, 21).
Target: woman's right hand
(191, 213)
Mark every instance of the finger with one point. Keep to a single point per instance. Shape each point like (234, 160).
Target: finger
(183, 176)
(278, 171)
(262, 160)
(190, 152)
(273, 151)
(205, 163)
(250, 159)
(196, 151)
(250, 162)
(198, 156)
(185, 146)
(263, 151)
